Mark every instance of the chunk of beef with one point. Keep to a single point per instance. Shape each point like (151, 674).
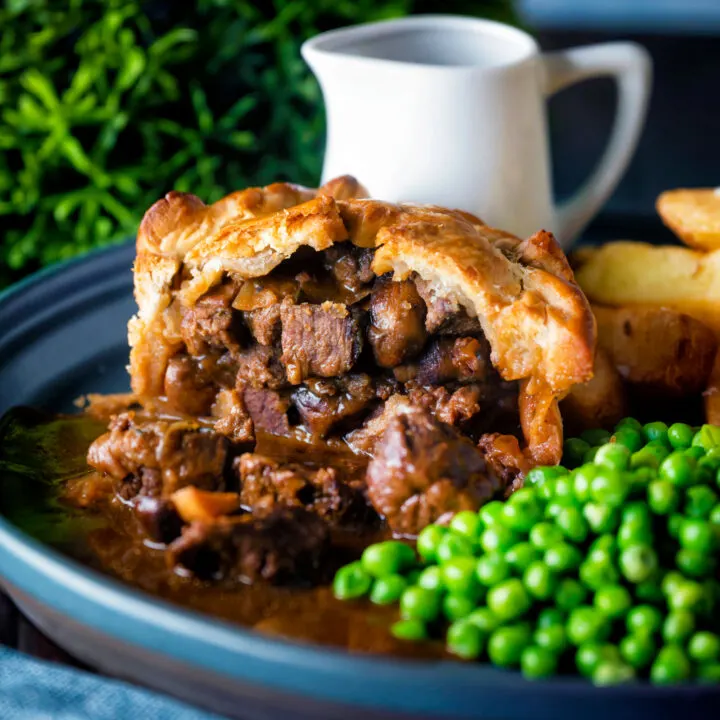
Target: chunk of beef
(397, 322)
(350, 266)
(268, 410)
(265, 483)
(504, 455)
(188, 390)
(260, 367)
(425, 471)
(454, 408)
(158, 518)
(325, 405)
(212, 323)
(321, 340)
(264, 324)
(463, 360)
(364, 439)
(162, 455)
(286, 546)
(445, 316)
(234, 421)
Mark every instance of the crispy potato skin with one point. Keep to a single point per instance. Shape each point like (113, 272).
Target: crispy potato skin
(601, 402)
(662, 350)
(627, 273)
(693, 215)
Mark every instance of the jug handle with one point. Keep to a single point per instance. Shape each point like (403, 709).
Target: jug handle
(629, 64)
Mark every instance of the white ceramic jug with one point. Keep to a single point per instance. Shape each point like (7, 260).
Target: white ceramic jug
(451, 110)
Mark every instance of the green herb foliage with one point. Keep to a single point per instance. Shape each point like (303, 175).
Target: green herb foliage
(107, 104)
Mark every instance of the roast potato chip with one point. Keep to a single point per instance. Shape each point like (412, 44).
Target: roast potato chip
(693, 215)
(633, 273)
(662, 350)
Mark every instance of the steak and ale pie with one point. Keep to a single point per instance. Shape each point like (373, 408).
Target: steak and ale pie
(307, 360)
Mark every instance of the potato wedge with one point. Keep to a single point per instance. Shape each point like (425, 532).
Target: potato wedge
(693, 215)
(600, 402)
(711, 396)
(194, 504)
(660, 349)
(633, 273)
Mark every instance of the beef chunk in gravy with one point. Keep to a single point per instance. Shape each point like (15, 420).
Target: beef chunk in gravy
(445, 316)
(350, 266)
(266, 483)
(285, 546)
(260, 367)
(164, 455)
(234, 421)
(268, 410)
(463, 360)
(454, 408)
(323, 405)
(321, 340)
(211, 323)
(424, 471)
(188, 390)
(158, 518)
(397, 322)
(264, 324)
(504, 455)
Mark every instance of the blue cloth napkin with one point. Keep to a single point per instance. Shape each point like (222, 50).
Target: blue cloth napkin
(35, 690)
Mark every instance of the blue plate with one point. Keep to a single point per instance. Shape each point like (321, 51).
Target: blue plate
(63, 334)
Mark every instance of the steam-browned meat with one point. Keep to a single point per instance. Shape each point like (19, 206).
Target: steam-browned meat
(264, 324)
(424, 471)
(464, 359)
(265, 483)
(211, 322)
(234, 421)
(350, 265)
(325, 405)
(164, 455)
(260, 367)
(504, 455)
(321, 340)
(187, 389)
(397, 322)
(286, 546)
(445, 316)
(453, 408)
(158, 518)
(268, 410)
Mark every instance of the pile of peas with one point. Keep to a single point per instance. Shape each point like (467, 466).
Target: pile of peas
(608, 564)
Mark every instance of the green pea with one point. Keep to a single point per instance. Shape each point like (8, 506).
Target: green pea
(570, 594)
(638, 563)
(613, 601)
(545, 535)
(550, 616)
(428, 540)
(542, 474)
(649, 456)
(636, 514)
(671, 583)
(609, 487)
(553, 509)
(459, 575)
(387, 558)
(638, 649)
(574, 450)
(492, 569)
(484, 619)
(709, 673)
(418, 603)
(413, 630)
(466, 523)
(595, 437)
(596, 574)
(679, 469)
(587, 624)
(552, 638)
(606, 545)
(674, 524)
(506, 644)
(632, 439)
(564, 490)
(695, 564)
(491, 513)
(601, 518)
(562, 558)
(707, 437)
(453, 546)
(456, 606)
(540, 581)
(508, 600)
(704, 647)
(694, 452)
(697, 535)
(591, 654)
(522, 510)
(671, 666)
(582, 481)
(590, 455)
(614, 673)
(678, 626)
(689, 595)
(351, 581)
(663, 497)
(634, 535)
(712, 456)
(649, 590)
(656, 431)
(521, 555)
(613, 456)
(639, 479)
(464, 640)
(498, 538)
(537, 662)
(714, 516)
(388, 589)
(680, 435)
(643, 619)
(431, 578)
(572, 523)
(629, 422)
